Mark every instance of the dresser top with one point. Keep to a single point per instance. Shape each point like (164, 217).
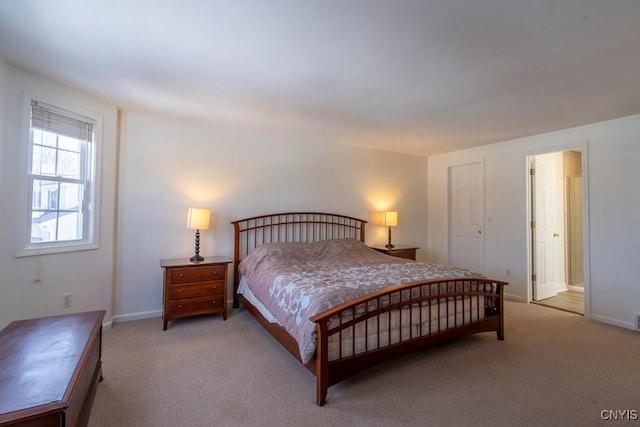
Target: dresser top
(39, 357)
(184, 262)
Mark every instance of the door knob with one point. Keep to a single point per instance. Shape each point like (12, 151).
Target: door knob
(479, 231)
(555, 234)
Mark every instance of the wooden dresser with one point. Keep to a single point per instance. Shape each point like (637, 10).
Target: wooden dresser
(49, 370)
(191, 289)
(408, 252)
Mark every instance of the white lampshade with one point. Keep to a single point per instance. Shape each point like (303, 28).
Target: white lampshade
(390, 219)
(198, 219)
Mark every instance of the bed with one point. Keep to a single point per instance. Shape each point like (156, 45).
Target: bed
(340, 307)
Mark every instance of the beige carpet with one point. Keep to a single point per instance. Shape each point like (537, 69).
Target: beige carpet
(554, 368)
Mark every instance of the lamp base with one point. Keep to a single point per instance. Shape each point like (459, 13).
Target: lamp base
(389, 245)
(197, 258)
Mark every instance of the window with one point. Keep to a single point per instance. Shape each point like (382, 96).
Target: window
(61, 181)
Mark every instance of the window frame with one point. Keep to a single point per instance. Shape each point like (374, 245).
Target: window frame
(89, 238)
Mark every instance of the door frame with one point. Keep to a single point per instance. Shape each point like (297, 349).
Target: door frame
(583, 147)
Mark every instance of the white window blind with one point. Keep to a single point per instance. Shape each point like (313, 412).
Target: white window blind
(51, 119)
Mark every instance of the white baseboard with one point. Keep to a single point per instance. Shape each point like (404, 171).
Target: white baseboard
(610, 321)
(136, 316)
(513, 297)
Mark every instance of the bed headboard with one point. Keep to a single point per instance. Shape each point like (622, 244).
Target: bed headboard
(307, 227)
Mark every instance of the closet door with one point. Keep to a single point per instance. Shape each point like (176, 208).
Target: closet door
(466, 200)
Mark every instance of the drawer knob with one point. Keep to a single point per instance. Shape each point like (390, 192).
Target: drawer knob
(180, 290)
(214, 301)
(180, 306)
(181, 274)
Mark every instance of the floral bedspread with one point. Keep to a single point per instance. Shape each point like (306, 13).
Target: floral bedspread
(295, 281)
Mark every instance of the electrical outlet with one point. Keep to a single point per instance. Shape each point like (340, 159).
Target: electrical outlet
(66, 300)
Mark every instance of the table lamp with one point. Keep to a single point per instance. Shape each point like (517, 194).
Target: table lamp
(390, 219)
(198, 219)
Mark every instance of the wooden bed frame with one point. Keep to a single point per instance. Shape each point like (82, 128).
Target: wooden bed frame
(461, 318)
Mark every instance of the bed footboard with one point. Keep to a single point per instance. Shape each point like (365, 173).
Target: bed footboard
(401, 319)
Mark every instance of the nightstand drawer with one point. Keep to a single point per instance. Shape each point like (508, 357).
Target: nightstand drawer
(198, 305)
(196, 290)
(404, 253)
(206, 273)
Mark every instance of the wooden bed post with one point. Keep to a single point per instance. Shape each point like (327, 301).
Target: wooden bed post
(236, 261)
(500, 291)
(322, 361)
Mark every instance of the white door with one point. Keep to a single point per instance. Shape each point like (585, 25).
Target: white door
(466, 199)
(548, 226)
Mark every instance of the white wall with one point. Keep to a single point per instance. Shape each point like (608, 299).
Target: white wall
(613, 150)
(168, 165)
(88, 275)
(4, 70)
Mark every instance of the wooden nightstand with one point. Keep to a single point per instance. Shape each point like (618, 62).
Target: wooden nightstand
(408, 252)
(192, 289)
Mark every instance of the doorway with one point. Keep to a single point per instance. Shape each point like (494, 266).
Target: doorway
(556, 230)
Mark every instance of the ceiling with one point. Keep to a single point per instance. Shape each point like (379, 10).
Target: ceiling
(410, 76)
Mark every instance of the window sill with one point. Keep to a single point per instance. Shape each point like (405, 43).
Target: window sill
(55, 249)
